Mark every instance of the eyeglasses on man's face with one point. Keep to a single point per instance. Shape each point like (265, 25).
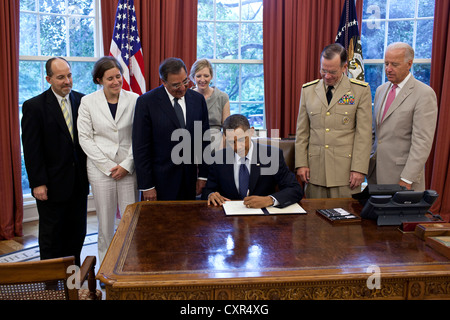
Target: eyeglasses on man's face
(178, 85)
(330, 72)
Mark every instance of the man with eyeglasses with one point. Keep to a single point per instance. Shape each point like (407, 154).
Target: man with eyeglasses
(334, 132)
(169, 120)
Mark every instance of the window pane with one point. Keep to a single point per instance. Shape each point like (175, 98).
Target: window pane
(227, 35)
(405, 24)
(29, 5)
(401, 9)
(205, 40)
(235, 108)
(31, 79)
(426, 8)
(81, 7)
(373, 74)
(227, 10)
(235, 35)
(28, 35)
(254, 114)
(81, 35)
(252, 11)
(402, 31)
(374, 9)
(81, 74)
(52, 6)
(422, 72)
(227, 79)
(424, 39)
(53, 36)
(25, 183)
(252, 47)
(252, 82)
(372, 40)
(205, 9)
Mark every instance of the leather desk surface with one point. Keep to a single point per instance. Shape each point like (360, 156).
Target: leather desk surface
(190, 250)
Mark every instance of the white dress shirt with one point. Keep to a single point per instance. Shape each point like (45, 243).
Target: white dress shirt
(181, 102)
(237, 164)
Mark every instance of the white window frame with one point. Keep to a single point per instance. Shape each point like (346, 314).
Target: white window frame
(238, 61)
(30, 211)
(388, 20)
(98, 43)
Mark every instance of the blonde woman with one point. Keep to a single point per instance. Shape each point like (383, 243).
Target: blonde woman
(217, 101)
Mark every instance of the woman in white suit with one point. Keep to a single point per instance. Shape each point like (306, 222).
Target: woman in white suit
(105, 121)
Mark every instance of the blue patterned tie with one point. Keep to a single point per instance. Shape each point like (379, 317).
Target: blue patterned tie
(179, 112)
(244, 178)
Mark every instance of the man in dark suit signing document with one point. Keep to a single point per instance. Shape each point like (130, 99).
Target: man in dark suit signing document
(249, 171)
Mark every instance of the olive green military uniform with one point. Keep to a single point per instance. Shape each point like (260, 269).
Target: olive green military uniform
(334, 139)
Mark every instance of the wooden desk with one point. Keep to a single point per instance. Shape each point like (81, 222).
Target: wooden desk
(187, 250)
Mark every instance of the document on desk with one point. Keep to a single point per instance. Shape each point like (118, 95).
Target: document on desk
(235, 208)
(292, 209)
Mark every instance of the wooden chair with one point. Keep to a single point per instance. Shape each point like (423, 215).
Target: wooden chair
(48, 280)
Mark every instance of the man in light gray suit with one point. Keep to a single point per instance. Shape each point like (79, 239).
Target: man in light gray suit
(404, 122)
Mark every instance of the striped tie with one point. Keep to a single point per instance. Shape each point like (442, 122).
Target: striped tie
(66, 116)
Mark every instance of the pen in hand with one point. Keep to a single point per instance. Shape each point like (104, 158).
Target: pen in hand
(248, 193)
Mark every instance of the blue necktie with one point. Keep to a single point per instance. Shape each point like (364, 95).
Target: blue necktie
(244, 178)
(179, 112)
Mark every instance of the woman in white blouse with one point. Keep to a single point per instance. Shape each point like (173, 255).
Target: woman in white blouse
(105, 121)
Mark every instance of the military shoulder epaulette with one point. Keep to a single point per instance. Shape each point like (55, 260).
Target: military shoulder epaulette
(358, 82)
(310, 83)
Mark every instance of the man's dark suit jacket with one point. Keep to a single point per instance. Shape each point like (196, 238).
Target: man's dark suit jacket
(154, 122)
(221, 177)
(54, 160)
(51, 157)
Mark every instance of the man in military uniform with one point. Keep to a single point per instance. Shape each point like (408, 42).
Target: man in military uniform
(334, 133)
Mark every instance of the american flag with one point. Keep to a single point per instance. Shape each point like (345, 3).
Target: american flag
(126, 47)
(348, 37)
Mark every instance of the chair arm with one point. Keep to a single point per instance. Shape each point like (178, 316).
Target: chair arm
(87, 271)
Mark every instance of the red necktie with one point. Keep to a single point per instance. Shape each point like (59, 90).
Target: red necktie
(390, 98)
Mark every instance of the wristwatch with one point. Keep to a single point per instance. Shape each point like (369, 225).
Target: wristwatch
(273, 200)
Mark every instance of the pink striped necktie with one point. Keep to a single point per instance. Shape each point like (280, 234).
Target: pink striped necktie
(390, 98)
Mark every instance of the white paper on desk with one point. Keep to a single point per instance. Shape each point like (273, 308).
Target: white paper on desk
(238, 208)
(293, 208)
